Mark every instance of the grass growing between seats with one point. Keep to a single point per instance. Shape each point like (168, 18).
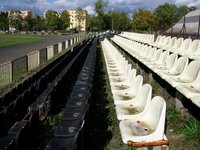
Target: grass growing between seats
(183, 133)
(115, 143)
(191, 130)
(102, 127)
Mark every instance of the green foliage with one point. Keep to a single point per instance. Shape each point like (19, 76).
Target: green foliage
(168, 14)
(100, 5)
(3, 21)
(65, 19)
(102, 21)
(183, 10)
(131, 148)
(120, 20)
(52, 20)
(15, 20)
(107, 22)
(96, 24)
(143, 20)
(173, 115)
(191, 130)
(54, 120)
(39, 23)
(27, 24)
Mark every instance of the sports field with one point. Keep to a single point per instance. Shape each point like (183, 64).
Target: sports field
(8, 40)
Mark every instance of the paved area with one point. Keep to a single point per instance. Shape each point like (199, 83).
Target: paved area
(12, 52)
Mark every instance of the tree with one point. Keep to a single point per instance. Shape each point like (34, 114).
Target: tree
(182, 11)
(65, 19)
(27, 24)
(39, 23)
(169, 14)
(124, 22)
(100, 5)
(120, 21)
(95, 24)
(15, 20)
(143, 20)
(3, 21)
(53, 21)
(104, 20)
(80, 16)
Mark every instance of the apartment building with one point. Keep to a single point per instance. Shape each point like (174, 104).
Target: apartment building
(22, 14)
(14, 15)
(78, 20)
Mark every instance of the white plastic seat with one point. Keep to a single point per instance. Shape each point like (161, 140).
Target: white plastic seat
(188, 75)
(161, 61)
(124, 84)
(154, 58)
(178, 67)
(169, 44)
(190, 89)
(184, 46)
(125, 109)
(144, 51)
(127, 94)
(119, 78)
(168, 64)
(151, 51)
(113, 65)
(164, 42)
(112, 58)
(118, 68)
(157, 40)
(193, 51)
(162, 38)
(147, 126)
(176, 45)
(192, 48)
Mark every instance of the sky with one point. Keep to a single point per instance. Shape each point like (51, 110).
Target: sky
(128, 6)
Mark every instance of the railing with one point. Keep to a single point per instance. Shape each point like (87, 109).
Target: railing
(12, 70)
(45, 33)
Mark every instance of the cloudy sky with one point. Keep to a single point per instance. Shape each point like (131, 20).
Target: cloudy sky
(39, 6)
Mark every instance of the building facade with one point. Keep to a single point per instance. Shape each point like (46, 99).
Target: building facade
(78, 19)
(14, 15)
(21, 13)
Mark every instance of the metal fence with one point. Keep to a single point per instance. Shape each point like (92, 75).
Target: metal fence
(13, 70)
(19, 67)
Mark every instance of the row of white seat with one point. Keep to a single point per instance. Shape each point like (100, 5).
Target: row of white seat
(184, 47)
(141, 37)
(179, 72)
(142, 117)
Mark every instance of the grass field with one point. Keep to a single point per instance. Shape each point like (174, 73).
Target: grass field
(8, 40)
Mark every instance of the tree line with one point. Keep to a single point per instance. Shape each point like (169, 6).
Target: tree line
(53, 21)
(161, 19)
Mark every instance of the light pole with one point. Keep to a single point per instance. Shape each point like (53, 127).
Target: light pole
(112, 24)
(112, 19)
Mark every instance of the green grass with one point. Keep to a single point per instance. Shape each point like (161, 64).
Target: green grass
(191, 130)
(9, 40)
(53, 120)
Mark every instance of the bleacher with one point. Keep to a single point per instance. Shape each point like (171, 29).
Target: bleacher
(174, 60)
(141, 116)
